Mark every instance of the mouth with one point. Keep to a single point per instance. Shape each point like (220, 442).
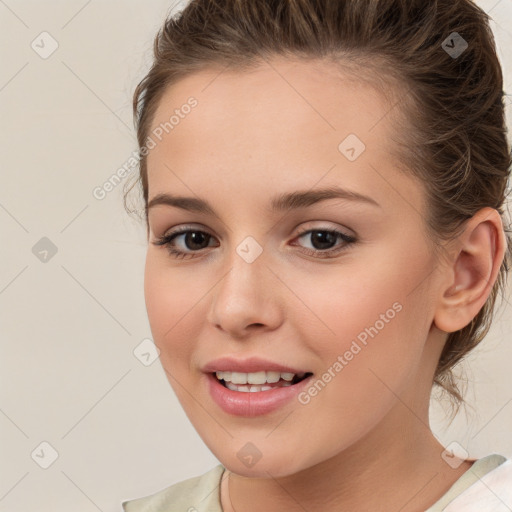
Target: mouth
(258, 381)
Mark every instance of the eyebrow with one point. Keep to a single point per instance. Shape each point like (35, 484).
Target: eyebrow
(286, 201)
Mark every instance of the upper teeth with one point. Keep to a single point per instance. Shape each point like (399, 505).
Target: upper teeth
(255, 377)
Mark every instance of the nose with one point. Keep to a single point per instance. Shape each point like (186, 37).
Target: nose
(247, 298)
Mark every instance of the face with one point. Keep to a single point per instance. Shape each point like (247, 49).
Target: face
(341, 288)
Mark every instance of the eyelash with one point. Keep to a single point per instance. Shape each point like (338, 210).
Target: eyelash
(166, 240)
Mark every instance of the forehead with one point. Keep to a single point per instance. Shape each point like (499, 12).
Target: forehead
(294, 90)
(280, 124)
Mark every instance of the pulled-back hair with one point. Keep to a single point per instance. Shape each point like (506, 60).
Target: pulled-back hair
(452, 136)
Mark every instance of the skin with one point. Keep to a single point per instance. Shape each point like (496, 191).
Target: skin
(364, 442)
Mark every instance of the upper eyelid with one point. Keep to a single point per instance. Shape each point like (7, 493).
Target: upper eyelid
(198, 227)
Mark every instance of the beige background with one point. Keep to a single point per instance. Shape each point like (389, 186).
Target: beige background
(69, 326)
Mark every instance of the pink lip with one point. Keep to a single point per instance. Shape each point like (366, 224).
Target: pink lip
(250, 404)
(252, 364)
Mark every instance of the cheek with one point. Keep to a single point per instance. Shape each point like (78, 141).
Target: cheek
(370, 357)
(347, 302)
(171, 303)
(369, 326)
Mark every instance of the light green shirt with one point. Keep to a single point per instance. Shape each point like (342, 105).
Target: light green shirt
(202, 493)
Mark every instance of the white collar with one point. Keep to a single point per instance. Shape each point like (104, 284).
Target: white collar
(492, 492)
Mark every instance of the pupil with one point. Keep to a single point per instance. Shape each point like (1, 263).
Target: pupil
(320, 236)
(195, 238)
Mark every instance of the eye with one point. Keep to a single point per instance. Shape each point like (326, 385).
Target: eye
(323, 238)
(195, 240)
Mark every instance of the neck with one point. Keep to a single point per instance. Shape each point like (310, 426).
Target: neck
(404, 472)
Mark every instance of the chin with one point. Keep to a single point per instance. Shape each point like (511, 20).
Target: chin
(269, 469)
(274, 465)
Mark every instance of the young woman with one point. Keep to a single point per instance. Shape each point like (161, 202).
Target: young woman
(324, 184)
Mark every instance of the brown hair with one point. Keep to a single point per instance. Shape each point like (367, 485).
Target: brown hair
(454, 138)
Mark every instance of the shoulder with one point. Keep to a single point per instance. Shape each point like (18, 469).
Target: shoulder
(491, 491)
(197, 494)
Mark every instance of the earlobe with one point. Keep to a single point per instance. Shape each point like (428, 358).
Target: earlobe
(473, 272)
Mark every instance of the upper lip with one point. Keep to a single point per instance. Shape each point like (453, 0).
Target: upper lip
(249, 365)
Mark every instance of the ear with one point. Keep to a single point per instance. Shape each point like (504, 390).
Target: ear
(472, 270)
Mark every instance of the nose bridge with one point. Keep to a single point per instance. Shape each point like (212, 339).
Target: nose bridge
(247, 266)
(244, 295)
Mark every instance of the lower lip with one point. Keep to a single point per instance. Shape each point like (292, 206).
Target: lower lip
(250, 404)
